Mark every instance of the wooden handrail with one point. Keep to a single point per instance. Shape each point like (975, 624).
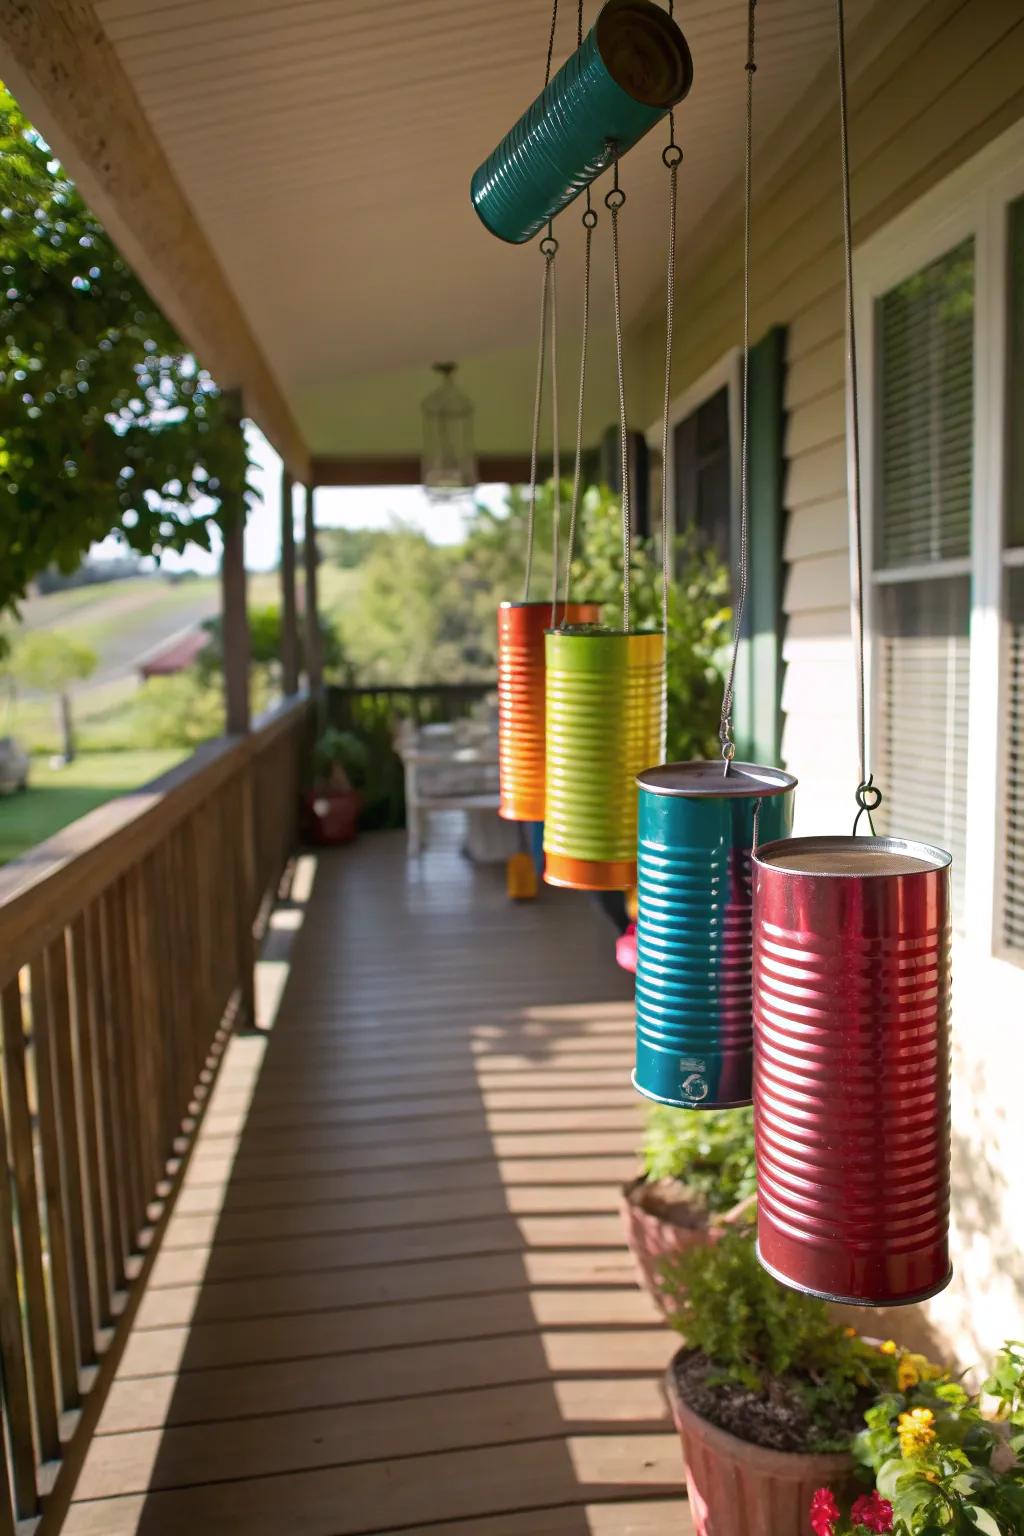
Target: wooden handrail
(126, 952)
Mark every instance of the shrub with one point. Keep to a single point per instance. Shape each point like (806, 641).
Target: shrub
(712, 1152)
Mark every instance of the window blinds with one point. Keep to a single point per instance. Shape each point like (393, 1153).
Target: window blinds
(1012, 840)
(925, 434)
(925, 421)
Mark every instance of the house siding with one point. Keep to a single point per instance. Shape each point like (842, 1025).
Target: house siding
(949, 78)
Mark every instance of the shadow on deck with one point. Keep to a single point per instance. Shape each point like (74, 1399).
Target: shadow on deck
(393, 1294)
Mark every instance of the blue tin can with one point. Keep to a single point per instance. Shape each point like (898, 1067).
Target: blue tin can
(694, 950)
(631, 69)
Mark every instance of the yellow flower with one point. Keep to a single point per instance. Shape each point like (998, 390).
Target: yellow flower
(916, 1431)
(907, 1375)
(889, 1347)
(849, 1333)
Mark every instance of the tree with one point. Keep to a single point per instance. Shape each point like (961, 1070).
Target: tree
(106, 422)
(48, 661)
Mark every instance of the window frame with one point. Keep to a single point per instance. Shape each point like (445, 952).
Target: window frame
(972, 202)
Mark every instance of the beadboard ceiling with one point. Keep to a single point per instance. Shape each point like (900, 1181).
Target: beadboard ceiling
(326, 147)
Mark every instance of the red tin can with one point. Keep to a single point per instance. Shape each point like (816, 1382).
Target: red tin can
(852, 1066)
(521, 744)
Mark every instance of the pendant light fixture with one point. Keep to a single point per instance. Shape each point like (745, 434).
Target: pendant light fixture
(697, 826)
(632, 68)
(852, 1017)
(449, 467)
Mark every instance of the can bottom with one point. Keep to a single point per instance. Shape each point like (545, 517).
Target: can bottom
(514, 810)
(854, 1301)
(659, 1098)
(589, 874)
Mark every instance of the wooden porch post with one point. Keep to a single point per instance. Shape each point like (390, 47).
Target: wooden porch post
(289, 620)
(235, 627)
(314, 659)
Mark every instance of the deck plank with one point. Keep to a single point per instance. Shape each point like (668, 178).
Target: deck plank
(394, 1294)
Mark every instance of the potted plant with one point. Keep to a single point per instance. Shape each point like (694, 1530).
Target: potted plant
(767, 1392)
(698, 1177)
(333, 802)
(940, 1465)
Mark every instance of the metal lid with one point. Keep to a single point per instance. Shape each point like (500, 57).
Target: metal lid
(599, 631)
(860, 857)
(709, 778)
(645, 52)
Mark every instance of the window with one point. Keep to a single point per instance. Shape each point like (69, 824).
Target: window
(940, 320)
(704, 474)
(924, 430)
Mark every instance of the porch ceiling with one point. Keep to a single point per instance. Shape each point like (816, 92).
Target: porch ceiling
(326, 147)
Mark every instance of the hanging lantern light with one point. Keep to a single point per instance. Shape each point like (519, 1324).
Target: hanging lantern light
(521, 732)
(631, 69)
(449, 463)
(694, 1019)
(605, 721)
(851, 1078)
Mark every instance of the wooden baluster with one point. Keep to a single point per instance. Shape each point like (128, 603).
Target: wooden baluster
(109, 1123)
(245, 909)
(12, 1349)
(124, 1106)
(82, 997)
(128, 1074)
(141, 1015)
(70, 1145)
(56, 1221)
(23, 1162)
(7, 1526)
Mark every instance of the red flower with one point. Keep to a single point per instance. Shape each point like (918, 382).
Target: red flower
(873, 1511)
(824, 1512)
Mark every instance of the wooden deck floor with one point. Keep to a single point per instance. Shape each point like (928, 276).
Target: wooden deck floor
(393, 1295)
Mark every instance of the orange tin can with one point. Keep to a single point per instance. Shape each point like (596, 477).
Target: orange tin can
(521, 737)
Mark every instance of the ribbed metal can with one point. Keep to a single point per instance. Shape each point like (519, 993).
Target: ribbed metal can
(605, 719)
(694, 1011)
(521, 750)
(852, 1066)
(632, 67)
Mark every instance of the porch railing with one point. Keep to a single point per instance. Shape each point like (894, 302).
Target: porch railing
(127, 949)
(422, 703)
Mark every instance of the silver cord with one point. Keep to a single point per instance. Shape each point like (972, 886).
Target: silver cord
(868, 796)
(672, 155)
(613, 202)
(556, 468)
(589, 223)
(531, 518)
(725, 724)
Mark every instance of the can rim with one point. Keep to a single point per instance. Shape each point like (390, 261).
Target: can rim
(748, 781)
(599, 632)
(772, 856)
(545, 602)
(673, 35)
(854, 1301)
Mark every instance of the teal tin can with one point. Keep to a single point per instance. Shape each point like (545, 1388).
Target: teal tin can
(631, 69)
(694, 946)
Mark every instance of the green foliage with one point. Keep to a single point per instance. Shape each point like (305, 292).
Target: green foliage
(941, 1463)
(341, 750)
(50, 662)
(711, 1153)
(700, 617)
(757, 1333)
(265, 643)
(179, 711)
(106, 423)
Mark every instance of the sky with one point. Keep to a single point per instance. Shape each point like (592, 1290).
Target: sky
(348, 507)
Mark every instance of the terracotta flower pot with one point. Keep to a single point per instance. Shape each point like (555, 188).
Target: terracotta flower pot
(739, 1489)
(331, 815)
(652, 1239)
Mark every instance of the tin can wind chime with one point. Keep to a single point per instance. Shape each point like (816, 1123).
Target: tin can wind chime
(697, 825)
(852, 1020)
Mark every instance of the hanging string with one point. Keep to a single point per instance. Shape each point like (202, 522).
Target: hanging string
(589, 225)
(613, 202)
(672, 157)
(868, 796)
(549, 247)
(551, 43)
(725, 724)
(556, 469)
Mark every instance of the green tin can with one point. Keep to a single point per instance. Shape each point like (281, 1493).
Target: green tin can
(605, 722)
(632, 68)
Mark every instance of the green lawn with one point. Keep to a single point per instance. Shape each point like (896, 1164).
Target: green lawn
(57, 796)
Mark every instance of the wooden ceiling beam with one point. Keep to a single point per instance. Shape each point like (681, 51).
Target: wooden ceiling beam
(404, 469)
(61, 66)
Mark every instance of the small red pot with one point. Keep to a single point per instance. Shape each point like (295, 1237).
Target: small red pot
(331, 816)
(739, 1489)
(653, 1239)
